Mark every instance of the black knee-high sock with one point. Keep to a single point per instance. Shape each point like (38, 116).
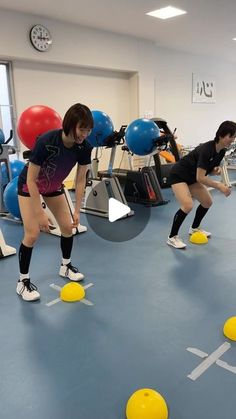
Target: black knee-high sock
(200, 213)
(66, 246)
(178, 220)
(24, 258)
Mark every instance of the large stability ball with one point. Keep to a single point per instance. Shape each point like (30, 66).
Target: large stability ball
(35, 121)
(141, 136)
(16, 167)
(103, 127)
(2, 137)
(10, 198)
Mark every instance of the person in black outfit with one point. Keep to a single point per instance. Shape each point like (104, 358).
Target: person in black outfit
(55, 153)
(189, 179)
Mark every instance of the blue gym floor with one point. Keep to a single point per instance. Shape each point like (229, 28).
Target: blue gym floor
(150, 303)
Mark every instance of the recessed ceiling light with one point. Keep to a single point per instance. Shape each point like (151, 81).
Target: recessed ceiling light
(166, 12)
(234, 39)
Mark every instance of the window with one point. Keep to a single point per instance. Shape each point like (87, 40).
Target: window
(6, 102)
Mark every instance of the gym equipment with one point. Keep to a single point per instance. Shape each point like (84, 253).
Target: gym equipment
(229, 329)
(198, 238)
(146, 403)
(163, 170)
(141, 136)
(5, 250)
(103, 128)
(5, 170)
(35, 121)
(140, 186)
(100, 189)
(10, 198)
(72, 292)
(16, 166)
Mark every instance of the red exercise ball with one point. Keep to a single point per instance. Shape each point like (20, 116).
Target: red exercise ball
(35, 121)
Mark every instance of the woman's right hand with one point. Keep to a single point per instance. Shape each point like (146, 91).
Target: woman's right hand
(226, 190)
(43, 222)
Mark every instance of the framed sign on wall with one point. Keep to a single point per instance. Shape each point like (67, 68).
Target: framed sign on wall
(203, 89)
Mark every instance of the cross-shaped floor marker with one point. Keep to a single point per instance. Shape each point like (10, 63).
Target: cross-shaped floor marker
(57, 300)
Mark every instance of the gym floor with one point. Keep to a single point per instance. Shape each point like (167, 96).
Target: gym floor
(150, 303)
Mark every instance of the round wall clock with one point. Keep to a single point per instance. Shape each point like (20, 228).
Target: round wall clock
(40, 38)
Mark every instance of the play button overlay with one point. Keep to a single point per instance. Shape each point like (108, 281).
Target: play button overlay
(118, 225)
(117, 210)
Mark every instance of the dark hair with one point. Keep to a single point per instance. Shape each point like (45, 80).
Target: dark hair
(77, 113)
(227, 127)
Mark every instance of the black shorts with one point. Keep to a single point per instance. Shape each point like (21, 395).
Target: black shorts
(177, 178)
(51, 194)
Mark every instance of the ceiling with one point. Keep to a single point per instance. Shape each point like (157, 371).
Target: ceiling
(207, 28)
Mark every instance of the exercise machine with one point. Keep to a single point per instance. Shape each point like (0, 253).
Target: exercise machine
(101, 187)
(5, 250)
(139, 186)
(163, 170)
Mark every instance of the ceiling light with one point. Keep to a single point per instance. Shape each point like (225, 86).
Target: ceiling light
(234, 39)
(166, 12)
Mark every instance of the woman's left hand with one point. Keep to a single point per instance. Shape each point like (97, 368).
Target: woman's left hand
(76, 219)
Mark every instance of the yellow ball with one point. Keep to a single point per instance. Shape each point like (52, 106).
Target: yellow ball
(198, 238)
(146, 404)
(72, 292)
(230, 328)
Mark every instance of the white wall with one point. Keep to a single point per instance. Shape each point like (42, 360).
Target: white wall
(195, 122)
(164, 77)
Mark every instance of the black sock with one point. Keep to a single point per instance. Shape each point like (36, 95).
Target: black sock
(178, 220)
(200, 213)
(66, 246)
(24, 258)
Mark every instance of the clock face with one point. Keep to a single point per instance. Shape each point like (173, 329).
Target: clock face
(40, 38)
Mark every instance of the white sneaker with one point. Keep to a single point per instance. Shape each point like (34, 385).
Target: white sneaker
(70, 272)
(194, 230)
(27, 290)
(176, 242)
(82, 229)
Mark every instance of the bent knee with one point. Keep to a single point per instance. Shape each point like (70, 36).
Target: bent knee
(66, 230)
(207, 203)
(187, 206)
(31, 237)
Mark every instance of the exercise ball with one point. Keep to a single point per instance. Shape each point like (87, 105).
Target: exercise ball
(35, 121)
(141, 136)
(4, 174)
(16, 167)
(103, 127)
(10, 198)
(2, 137)
(146, 404)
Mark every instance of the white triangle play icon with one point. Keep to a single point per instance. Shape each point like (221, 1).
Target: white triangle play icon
(117, 210)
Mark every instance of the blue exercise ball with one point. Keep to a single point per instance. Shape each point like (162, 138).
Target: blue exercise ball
(10, 198)
(141, 136)
(16, 167)
(2, 137)
(103, 127)
(4, 175)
